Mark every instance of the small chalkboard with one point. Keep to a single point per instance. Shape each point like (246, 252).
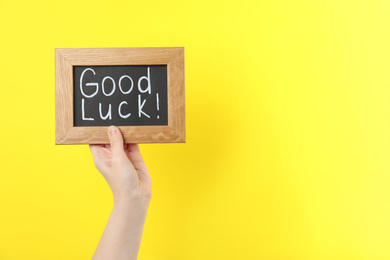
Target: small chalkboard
(120, 95)
(140, 90)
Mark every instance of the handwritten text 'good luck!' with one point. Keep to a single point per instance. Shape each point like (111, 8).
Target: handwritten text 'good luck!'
(125, 85)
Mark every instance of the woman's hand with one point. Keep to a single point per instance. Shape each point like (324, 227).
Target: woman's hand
(125, 171)
(123, 167)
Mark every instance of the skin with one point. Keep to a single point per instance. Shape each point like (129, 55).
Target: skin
(128, 177)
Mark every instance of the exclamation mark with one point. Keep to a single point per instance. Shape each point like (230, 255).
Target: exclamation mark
(158, 106)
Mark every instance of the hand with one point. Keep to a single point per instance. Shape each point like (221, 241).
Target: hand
(123, 167)
(125, 171)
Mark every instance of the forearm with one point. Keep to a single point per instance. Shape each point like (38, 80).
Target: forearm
(122, 236)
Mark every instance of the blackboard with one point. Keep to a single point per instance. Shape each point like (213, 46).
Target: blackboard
(120, 95)
(140, 90)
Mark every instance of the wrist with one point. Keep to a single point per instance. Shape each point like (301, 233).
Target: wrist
(131, 201)
(133, 210)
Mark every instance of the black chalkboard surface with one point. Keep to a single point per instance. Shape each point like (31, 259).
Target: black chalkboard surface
(120, 95)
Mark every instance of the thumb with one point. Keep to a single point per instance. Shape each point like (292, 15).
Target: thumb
(116, 141)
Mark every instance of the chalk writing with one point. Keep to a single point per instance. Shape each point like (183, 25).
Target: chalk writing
(105, 95)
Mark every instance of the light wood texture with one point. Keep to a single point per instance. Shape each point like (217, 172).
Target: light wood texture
(65, 59)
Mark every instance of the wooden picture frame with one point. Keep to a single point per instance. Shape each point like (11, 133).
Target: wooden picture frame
(65, 59)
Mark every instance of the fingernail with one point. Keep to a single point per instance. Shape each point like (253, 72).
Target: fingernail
(112, 130)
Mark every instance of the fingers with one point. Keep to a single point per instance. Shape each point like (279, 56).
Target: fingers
(95, 148)
(116, 142)
(97, 151)
(135, 157)
(134, 153)
(133, 148)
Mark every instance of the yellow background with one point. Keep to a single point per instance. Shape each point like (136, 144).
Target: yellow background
(288, 130)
